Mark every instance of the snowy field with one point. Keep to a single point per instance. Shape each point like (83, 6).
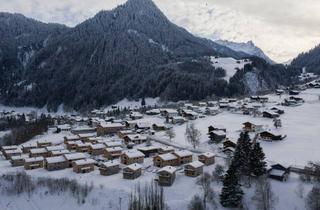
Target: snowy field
(301, 125)
(231, 65)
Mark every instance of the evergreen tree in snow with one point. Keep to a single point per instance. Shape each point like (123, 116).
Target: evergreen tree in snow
(258, 166)
(231, 194)
(242, 154)
(143, 102)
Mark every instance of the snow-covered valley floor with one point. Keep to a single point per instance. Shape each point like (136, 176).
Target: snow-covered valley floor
(301, 125)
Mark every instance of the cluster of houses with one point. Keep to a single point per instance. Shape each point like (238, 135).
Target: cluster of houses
(79, 152)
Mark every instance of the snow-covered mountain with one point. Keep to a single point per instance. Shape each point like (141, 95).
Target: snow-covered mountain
(132, 51)
(248, 47)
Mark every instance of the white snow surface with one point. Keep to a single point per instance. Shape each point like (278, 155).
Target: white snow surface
(300, 124)
(229, 64)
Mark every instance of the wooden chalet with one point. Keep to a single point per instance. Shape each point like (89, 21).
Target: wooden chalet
(169, 112)
(44, 143)
(159, 127)
(135, 115)
(278, 172)
(83, 130)
(109, 128)
(132, 156)
(166, 175)
(73, 157)
(72, 145)
(149, 151)
(83, 166)
(135, 138)
(217, 136)
(166, 149)
(12, 147)
(142, 126)
(270, 114)
(193, 169)
(132, 171)
(177, 120)
(109, 168)
(189, 114)
(58, 152)
(18, 160)
(269, 136)
(207, 158)
(39, 152)
(71, 139)
(124, 133)
(85, 137)
(228, 143)
(55, 163)
(54, 148)
(83, 147)
(97, 149)
(111, 153)
(184, 156)
(33, 163)
(12, 152)
(250, 127)
(27, 147)
(110, 144)
(167, 159)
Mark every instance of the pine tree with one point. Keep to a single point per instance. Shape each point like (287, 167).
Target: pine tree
(143, 102)
(231, 194)
(258, 166)
(242, 154)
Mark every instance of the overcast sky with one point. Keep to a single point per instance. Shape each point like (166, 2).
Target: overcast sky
(282, 28)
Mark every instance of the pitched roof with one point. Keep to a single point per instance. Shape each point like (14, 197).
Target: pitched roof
(169, 169)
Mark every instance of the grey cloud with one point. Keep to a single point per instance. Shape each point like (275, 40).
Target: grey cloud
(282, 28)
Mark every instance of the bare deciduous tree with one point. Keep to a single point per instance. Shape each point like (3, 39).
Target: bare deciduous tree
(170, 133)
(313, 198)
(264, 195)
(205, 183)
(196, 204)
(193, 135)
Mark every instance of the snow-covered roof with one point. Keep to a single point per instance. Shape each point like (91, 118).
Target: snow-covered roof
(169, 169)
(9, 147)
(73, 137)
(183, 153)
(18, 157)
(196, 164)
(74, 156)
(134, 166)
(111, 125)
(167, 156)
(57, 159)
(60, 152)
(98, 146)
(33, 159)
(208, 154)
(148, 148)
(84, 162)
(137, 137)
(38, 150)
(276, 172)
(114, 149)
(167, 148)
(133, 153)
(113, 144)
(110, 164)
(53, 148)
(13, 151)
(86, 135)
